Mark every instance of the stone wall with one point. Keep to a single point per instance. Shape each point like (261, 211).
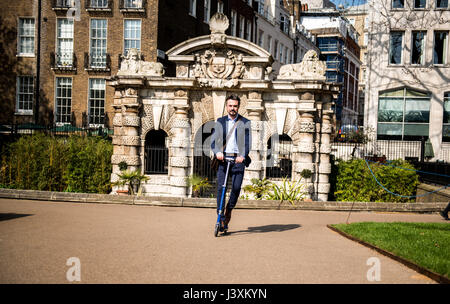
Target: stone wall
(439, 194)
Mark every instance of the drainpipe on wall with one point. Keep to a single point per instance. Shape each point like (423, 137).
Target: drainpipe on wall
(38, 65)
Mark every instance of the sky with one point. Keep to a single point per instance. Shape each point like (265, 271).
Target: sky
(348, 2)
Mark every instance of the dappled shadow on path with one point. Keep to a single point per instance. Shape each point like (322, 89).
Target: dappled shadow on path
(267, 228)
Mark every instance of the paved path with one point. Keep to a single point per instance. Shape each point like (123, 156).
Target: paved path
(144, 244)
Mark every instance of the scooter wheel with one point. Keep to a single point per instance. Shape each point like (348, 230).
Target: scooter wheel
(216, 229)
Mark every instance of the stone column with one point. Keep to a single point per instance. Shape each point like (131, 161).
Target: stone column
(306, 148)
(323, 186)
(254, 110)
(180, 144)
(126, 140)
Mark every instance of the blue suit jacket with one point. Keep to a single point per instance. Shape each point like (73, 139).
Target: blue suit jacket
(243, 135)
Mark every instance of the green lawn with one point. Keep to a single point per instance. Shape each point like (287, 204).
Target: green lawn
(425, 244)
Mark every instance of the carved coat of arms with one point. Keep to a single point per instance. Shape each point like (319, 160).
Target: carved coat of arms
(218, 67)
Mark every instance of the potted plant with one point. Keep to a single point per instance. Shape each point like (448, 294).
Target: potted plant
(198, 184)
(259, 187)
(133, 180)
(287, 191)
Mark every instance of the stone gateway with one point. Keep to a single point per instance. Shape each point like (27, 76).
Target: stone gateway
(161, 124)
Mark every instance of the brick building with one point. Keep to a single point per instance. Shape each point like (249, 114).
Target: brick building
(56, 54)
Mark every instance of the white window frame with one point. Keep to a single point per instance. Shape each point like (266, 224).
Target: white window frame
(125, 50)
(401, 48)
(64, 56)
(446, 101)
(441, 8)
(21, 109)
(404, 98)
(132, 4)
(193, 8)
(398, 8)
(66, 98)
(93, 62)
(101, 100)
(95, 3)
(445, 51)
(206, 11)
(419, 8)
(21, 36)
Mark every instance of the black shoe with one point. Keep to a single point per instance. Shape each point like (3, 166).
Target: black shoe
(222, 224)
(445, 216)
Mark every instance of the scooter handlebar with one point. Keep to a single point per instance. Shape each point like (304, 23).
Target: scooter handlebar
(230, 159)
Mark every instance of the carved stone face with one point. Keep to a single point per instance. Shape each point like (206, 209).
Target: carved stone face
(133, 53)
(218, 65)
(311, 55)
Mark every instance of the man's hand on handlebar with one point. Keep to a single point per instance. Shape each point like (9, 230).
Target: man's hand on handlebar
(239, 159)
(219, 155)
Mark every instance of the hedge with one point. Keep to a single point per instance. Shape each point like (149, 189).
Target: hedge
(71, 164)
(355, 182)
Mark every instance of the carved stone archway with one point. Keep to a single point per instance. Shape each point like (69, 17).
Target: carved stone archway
(208, 68)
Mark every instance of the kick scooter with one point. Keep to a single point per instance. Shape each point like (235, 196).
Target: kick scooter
(229, 161)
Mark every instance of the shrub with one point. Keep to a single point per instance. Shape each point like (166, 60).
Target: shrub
(287, 191)
(354, 181)
(259, 187)
(39, 162)
(198, 184)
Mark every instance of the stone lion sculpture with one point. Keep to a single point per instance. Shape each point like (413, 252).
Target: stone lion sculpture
(310, 67)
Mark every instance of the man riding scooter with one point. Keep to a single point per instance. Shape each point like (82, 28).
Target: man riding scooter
(231, 142)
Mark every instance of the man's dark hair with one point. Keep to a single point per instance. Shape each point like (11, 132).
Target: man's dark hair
(233, 97)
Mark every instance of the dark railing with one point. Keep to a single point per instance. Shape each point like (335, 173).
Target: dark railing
(433, 172)
(63, 61)
(97, 62)
(132, 6)
(202, 167)
(57, 130)
(280, 170)
(98, 5)
(390, 149)
(415, 152)
(156, 160)
(62, 4)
